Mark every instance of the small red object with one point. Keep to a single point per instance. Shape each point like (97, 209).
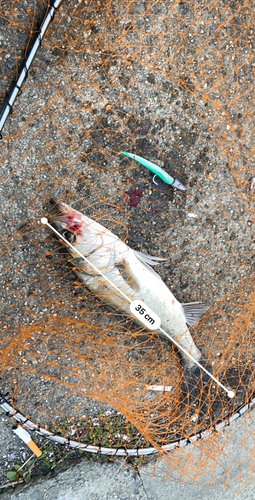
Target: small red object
(135, 196)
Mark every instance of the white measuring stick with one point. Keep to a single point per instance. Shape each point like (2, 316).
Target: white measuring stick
(140, 310)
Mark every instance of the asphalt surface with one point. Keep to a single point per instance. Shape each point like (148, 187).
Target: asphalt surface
(208, 267)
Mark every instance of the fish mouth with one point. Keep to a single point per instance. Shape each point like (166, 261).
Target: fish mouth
(60, 207)
(58, 218)
(66, 217)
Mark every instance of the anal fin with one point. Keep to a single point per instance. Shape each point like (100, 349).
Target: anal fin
(193, 311)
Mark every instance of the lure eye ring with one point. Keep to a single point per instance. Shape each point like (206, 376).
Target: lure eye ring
(69, 236)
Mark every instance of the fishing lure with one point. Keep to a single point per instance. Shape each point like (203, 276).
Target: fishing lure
(164, 176)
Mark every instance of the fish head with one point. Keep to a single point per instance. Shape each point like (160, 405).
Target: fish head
(76, 228)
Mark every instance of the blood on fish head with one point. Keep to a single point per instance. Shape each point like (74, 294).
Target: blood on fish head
(73, 223)
(68, 218)
(76, 228)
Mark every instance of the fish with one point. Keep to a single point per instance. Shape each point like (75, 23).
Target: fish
(131, 272)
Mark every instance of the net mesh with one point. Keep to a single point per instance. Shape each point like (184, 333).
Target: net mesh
(172, 82)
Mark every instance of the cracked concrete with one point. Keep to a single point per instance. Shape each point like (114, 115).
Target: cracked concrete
(114, 482)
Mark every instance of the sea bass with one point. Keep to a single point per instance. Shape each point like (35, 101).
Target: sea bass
(131, 272)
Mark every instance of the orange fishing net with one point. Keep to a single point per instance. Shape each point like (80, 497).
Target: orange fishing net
(172, 82)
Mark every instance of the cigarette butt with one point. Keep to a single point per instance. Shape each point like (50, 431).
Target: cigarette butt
(34, 448)
(160, 388)
(25, 436)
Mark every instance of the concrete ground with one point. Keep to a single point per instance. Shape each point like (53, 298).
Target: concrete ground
(112, 482)
(117, 481)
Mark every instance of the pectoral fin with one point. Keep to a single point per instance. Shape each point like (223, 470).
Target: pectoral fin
(127, 275)
(148, 259)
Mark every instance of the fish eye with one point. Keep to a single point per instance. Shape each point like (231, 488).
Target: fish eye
(69, 236)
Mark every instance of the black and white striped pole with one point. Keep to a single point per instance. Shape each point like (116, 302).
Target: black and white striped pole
(23, 71)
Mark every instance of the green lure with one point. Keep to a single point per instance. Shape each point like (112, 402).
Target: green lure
(156, 170)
